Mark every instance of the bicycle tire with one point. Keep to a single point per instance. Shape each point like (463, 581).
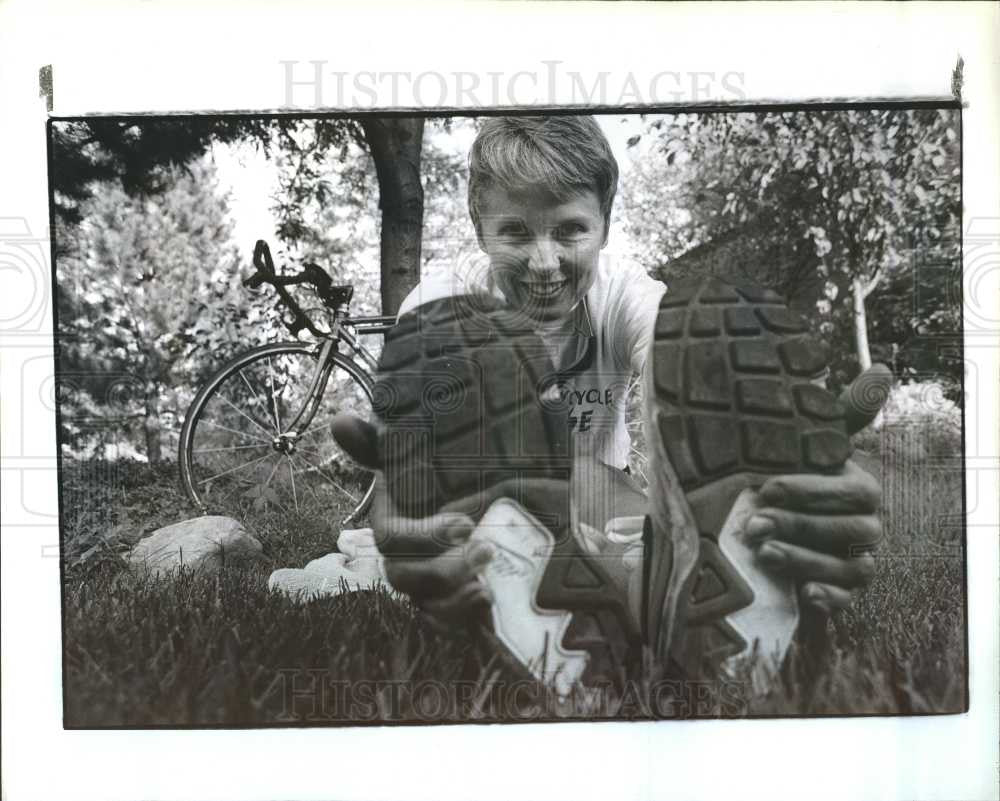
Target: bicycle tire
(230, 428)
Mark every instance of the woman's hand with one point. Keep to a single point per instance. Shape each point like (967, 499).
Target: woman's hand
(431, 559)
(822, 529)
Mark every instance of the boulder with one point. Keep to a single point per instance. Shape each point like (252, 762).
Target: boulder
(203, 543)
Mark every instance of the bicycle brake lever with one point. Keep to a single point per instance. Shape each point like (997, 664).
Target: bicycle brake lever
(264, 267)
(262, 258)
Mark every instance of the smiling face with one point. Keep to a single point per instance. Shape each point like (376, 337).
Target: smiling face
(543, 251)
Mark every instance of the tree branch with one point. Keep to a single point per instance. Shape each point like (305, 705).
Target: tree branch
(870, 286)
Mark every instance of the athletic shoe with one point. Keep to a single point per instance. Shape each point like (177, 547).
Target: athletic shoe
(465, 397)
(732, 395)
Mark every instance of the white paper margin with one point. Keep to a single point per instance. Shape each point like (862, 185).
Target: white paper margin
(152, 55)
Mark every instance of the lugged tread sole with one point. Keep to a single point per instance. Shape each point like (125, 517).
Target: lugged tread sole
(459, 405)
(459, 393)
(733, 379)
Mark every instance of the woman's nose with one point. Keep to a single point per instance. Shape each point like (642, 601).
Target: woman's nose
(545, 257)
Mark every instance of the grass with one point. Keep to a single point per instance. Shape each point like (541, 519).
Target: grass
(199, 649)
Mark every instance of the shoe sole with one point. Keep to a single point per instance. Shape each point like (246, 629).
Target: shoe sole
(461, 393)
(731, 399)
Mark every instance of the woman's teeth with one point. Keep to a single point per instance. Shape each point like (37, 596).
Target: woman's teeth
(544, 290)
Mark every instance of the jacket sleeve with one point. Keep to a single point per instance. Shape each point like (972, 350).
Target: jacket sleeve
(633, 308)
(427, 290)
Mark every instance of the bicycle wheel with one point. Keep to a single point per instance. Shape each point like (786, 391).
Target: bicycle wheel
(239, 453)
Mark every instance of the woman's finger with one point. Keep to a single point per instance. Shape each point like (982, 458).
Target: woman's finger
(851, 491)
(396, 535)
(805, 565)
(467, 602)
(439, 576)
(358, 437)
(839, 535)
(548, 499)
(826, 598)
(865, 397)
(423, 537)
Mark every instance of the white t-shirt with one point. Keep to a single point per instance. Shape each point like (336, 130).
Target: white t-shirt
(622, 305)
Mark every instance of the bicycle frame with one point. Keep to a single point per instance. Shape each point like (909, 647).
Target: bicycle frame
(335, 297)
(365, 326)
(338, 348)
(324, 367)
(317, 386)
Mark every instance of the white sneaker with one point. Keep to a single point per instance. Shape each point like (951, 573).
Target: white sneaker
(357, 566)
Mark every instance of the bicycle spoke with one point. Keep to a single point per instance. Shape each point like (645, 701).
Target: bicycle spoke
(333, 482)
(250, 387)
(229, 448)
(267, 483)
(244, 414)
(264, 392)
(315, 429)
(274, 400)
(291, 477)
(234, 469)
(310, 451)
(233, 488)
(307, 486)
(321, 459)
(238, 433)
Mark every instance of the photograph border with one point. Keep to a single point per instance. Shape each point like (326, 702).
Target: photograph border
(735, 107)
(891, 46)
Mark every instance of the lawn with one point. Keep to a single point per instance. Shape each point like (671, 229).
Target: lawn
(196, 649)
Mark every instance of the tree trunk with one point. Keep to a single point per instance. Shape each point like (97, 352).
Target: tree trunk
(861, 326)
(395, 144)
(861, 291)
(151, 423)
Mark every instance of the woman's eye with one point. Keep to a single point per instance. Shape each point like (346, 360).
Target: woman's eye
(513, 230)
(570, 230)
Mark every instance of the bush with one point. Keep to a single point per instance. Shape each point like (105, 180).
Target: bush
(918, 422)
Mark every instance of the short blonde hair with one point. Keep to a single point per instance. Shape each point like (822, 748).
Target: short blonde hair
(561, 155)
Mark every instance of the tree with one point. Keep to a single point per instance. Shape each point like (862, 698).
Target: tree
(140, 155)
(395, 144)
(328, 208)
(831, 208)
(448, 234)
(152, 289)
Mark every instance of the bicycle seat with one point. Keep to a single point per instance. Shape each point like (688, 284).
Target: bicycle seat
(336, 296)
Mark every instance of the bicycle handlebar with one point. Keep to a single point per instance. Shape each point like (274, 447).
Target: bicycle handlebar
(311, 274)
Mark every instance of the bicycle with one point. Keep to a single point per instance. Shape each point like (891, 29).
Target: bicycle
(258, 431)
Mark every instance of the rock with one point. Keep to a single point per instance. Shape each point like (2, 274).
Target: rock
(203, 543)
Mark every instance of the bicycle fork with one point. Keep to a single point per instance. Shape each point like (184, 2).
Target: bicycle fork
(285, 442)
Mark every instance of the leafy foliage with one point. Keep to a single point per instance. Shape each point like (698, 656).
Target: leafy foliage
(322, 163)
(149, 293)
(808, 203)
(327, 203)
(449, 238)
(140, 156)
